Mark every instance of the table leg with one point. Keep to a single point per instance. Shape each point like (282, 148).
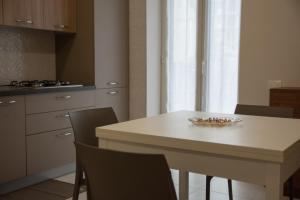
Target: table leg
(274, 183)
(183, 185)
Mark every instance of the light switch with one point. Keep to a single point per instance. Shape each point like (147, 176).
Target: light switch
(274, 84)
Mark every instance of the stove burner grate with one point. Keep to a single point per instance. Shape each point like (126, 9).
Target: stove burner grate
(37, 83)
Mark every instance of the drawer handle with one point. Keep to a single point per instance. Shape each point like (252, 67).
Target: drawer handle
(113, 92)
(20, 21)
(64, 97)
(2, 103)
(12, 102)
(61, 26)
(29, 21)
(63, 116)
(63, 135)
(113, 83)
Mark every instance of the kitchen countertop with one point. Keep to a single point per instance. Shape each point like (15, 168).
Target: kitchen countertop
(13, 91)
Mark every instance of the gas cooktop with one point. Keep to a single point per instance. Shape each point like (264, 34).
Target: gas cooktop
(42, 84)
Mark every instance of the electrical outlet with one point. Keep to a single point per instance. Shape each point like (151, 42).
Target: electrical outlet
(274, 84)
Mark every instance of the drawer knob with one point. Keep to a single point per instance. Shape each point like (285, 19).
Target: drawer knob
(63, 135)
(64, 97)
(113, 92)
(113, 83)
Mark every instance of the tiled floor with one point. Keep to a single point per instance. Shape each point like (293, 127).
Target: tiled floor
(219, 191)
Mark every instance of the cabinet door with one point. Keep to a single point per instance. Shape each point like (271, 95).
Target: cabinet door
(12, 139)
(116, 98)
(41, 103)
(35, 13)
(1, 12)
(60, 15)
(50, 150)
(49, 121)
(24, 13)
(111, 43)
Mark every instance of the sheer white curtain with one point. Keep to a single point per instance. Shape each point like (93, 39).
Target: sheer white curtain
(222, 55)
(180, 65)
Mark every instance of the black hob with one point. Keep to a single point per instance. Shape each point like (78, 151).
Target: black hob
(39, 84)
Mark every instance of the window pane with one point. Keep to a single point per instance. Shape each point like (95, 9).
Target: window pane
(182, 43)
(222, 55)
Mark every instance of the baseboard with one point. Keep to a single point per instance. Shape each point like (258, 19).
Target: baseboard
(36, 178)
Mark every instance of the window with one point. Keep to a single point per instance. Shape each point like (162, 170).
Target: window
(222, 55)
(182, 44)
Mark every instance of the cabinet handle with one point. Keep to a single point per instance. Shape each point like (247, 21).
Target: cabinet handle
(29, 22)
(113, 92)
(63, 116)
(12, 102)
(63, 134)
(20, 21)
(61, 26)
(63, 97)
(113, 83)
(2, 103)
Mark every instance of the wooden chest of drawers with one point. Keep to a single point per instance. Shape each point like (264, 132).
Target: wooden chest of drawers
(286, 97)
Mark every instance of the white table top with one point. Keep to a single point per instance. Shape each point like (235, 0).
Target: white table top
(262, 138)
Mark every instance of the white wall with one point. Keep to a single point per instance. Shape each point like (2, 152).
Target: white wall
(270, 47)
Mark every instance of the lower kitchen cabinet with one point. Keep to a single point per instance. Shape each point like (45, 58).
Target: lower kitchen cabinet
(42, 103)
(1, 12)
(116, 98)
(50, 150)
(45, 122)
(12, 138)
(36, 133)
(49, 121)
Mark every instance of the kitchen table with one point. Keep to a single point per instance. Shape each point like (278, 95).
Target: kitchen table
(258, 150)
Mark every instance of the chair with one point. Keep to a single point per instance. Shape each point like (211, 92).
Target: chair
(84, 124)
(255, 110)
(265, 111)
(113, 175)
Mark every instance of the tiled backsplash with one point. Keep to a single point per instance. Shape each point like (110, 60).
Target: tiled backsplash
(26, 54)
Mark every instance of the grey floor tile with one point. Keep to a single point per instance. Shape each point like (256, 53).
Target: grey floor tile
(219, 189)
(69, 178)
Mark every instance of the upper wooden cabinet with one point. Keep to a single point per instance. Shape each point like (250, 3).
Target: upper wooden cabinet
(60, 15)
(24, 13)
(56, 15)
(1, 12)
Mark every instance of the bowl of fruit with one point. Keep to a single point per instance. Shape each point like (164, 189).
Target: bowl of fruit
(214, 121)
